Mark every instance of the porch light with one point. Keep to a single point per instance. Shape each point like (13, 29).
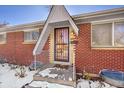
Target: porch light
(73, 38)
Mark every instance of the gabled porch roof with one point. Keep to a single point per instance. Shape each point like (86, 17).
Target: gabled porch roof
(57, 14)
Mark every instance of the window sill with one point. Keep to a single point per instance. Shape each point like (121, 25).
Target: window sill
(1, 43)
(29, 42)
(107, 48)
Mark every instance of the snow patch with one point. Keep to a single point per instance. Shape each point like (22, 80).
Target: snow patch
(82, 83)
(9, 80)
(46, 72)
(44, 84)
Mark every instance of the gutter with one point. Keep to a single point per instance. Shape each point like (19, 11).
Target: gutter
(98, 13)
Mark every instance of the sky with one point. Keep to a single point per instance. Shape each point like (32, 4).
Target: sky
(15, 15)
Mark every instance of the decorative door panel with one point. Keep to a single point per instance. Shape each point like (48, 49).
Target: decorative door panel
(61, 44)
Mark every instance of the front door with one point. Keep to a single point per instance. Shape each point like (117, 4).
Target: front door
(61, 44)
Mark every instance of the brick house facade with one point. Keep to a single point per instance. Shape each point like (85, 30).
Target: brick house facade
(94, 60)
(18, 53)
(86, 57)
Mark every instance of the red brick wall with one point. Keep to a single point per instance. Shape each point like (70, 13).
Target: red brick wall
(44, 55)
(90, 59)
(94, 60)
(17, 52)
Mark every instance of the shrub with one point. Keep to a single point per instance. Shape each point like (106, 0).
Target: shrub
(3, 60)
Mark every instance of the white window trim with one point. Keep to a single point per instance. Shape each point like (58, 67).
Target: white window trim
(112, 21)
(107, 21)
(3, 42)
(30, 41)
(33, 29)
(113, 44)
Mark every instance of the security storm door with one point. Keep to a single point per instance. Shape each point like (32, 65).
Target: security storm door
(61, 44)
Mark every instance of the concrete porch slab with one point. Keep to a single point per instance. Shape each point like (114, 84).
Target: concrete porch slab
(54, 73)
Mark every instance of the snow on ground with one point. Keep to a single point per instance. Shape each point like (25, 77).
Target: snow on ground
(82, 83)
(44, 84)
(9, 80)
(46, 72)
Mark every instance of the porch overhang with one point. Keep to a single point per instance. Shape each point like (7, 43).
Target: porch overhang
(57, 14)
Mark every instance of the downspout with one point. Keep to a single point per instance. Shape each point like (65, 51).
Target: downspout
(74, 72)
(73, 64)
(35, 62)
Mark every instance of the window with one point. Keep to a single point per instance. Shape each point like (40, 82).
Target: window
(2, 38)
(108, 34)
(119, 34)
(31, 36)
(101, 34)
